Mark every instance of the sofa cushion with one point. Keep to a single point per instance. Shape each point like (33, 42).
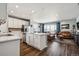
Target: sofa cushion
(65, 34)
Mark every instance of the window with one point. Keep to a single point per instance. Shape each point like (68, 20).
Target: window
(53, 27)
(49, 27)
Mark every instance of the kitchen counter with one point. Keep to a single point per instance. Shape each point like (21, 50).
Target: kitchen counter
(41, 33)
(4, 37)
(37, 40)
(9, 44)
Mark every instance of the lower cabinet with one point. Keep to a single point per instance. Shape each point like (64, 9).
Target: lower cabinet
(27, 38)
(77, 39)
(31, 40)
(10, 48)
(43, 41)
(37, 41)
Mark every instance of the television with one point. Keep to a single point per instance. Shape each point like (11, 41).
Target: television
(78, 25)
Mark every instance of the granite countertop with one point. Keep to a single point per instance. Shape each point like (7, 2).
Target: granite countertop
(4, 37)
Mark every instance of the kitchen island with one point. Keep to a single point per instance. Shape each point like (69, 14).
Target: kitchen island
(9, 44)
(37, 40)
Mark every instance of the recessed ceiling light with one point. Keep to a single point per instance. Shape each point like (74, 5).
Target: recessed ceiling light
(33, 11)
(17, 6)
(12, 11)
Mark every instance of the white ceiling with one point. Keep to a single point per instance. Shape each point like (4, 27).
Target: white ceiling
(44, 12)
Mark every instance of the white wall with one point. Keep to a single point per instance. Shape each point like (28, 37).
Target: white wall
(3, 14)
(35, 25)
(71, 22)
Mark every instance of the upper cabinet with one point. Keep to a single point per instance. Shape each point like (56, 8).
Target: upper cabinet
(10, 22)
(16, 23)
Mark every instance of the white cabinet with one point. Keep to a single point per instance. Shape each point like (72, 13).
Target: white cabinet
(16, 23)
(31, 40)
(40, 41)
(43, 42)
(23, 22)
(27, 38)
(19, 23)
(10, 22)
(10, 48)
(36, 40)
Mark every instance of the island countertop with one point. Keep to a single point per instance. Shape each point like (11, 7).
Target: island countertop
(41, 33)
(4, 37)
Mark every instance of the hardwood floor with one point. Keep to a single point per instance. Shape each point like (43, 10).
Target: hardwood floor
(55, 48)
